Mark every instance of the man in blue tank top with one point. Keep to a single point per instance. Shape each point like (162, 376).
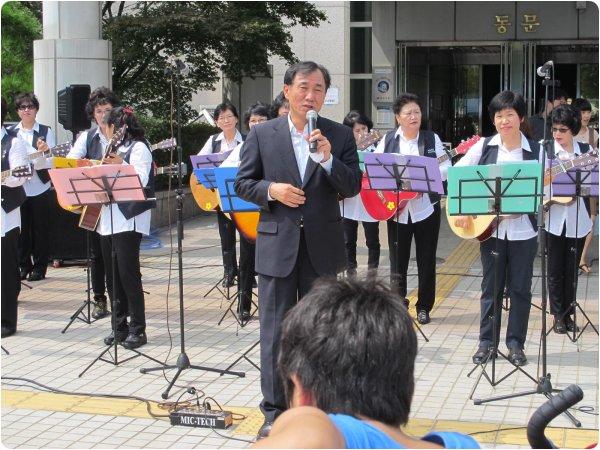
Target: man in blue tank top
(347, 359)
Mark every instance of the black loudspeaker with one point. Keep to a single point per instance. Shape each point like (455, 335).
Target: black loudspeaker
(67, 240)
(71, 107)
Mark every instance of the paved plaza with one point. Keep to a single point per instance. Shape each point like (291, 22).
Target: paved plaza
(46, 404)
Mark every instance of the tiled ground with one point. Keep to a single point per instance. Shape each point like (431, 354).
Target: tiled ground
(40, 352)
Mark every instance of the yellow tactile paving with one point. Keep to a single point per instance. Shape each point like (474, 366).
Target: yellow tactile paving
(457, 264)
(248, 426)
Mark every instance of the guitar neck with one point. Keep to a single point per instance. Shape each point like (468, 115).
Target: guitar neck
(446, 156)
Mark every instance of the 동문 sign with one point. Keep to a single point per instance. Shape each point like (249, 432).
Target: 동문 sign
(383, 87)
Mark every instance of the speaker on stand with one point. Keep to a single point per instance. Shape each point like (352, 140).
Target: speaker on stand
(71, 103)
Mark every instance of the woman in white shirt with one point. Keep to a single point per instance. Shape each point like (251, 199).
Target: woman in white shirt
(566, 225)
(121, 227)
(587, 135)
(353, 210)
(226, 117)
(421, 217)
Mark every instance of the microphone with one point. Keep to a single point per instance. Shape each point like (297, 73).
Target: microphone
(311, 117)
(544, 70)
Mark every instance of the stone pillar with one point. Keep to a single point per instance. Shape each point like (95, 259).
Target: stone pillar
(71, 52)
(384, 62)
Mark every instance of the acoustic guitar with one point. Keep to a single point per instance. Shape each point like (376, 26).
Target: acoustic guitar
(18, 172)
(90, 215)
(483, 227)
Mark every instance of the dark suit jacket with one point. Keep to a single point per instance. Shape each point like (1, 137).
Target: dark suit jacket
(267, 156)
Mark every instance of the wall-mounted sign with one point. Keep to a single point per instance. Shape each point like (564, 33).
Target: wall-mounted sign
(502, 23)
(530, 23)
(383, 87)
(332, 96)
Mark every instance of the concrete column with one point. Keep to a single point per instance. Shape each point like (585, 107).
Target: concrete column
(384, 56)
(72, 52)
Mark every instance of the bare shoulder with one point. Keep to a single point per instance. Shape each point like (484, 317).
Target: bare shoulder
(303, 427)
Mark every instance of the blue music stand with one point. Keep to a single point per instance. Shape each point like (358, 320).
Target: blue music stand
(230, 202)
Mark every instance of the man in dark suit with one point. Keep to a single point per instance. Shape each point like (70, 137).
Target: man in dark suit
(300, 235)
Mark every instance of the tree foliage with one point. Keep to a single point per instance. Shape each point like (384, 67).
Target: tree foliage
(235, 38)
(20, 27)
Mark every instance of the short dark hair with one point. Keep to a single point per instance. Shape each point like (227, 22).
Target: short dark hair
(256, 109)
(278, 102)
(305, 68)
(353, 346)
(405, 99)
(507, 100)
(582, 104)
(101, 96)
(25, 98)
(354, 117)
(225, 106)
(568, 116)
(120, 116)
(556, 93)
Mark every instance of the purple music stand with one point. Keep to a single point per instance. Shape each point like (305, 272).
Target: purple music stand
(566, 184)
(209, 161)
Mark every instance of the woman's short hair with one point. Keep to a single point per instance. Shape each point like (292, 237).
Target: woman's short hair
(507, 100)
(405, 99)
(354, 117)
(352, 345)
(120, 116)
(567, 115)
(256, 109)
(582, 104)
(278, 102)
(101, 96)
(26, 98)
(225, 106)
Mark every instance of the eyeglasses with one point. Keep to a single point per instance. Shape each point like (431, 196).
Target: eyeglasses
(26, 107)
(560, 130)
(226, 118)
(255, 120)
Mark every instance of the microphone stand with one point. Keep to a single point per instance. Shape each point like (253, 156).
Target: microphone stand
(183, 361)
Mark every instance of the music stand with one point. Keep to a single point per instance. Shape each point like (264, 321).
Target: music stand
(232, 203)
(102, 185)
(396, 172)
(576, 183)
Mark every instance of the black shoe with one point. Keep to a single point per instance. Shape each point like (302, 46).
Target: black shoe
(406, 302)
(135, 341)
(517, 356)
(228, 280)
(254, 283)
(264, 430)
(423, 317)
(245, 316)
(36, 275)
(559, 325)
(570, 325)
(110, 339)
(100, 307)
(482, 353)
(23, 273)
(6, 332)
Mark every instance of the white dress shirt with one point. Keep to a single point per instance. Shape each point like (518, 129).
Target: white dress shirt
(302, 153)
(225, 146)
(419, 208)
(233, 160)
(79, 150)
(16, 158)
(353, 207)
(34, 185)
(559, 216)
(514, 229)
(141, 160)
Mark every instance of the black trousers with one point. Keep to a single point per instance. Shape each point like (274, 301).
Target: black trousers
(11, 281)
(276, 296)
(371, 236)
(33, 242)
(227, 234)
(400, 238)
(129, 296)
(563, 266)
(515, 270)
(247, 254)
(97, 273)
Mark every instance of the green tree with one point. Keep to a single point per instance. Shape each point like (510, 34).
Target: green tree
(235, 38)
(20, 27)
